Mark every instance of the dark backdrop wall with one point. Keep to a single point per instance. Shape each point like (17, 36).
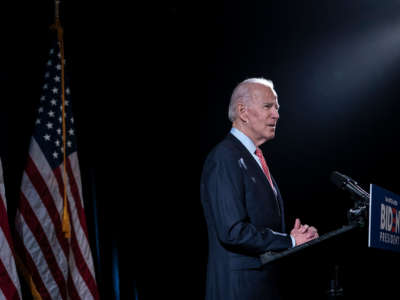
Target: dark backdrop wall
(150, 88)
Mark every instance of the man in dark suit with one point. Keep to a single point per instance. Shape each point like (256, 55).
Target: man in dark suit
(242, 203)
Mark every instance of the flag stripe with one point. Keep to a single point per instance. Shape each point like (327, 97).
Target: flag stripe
(27, 258)
(4, 223)
(75, 193)
(82, 266)
(79, 242)
(80, 249)
(78, 280)
(43, 216)
(35, 174)
(36, 228)
(44, 198)
(59, 177)
(6, 283)
(9, 282)
(7, 258)
(78, 212)
(37, 155)
(72, 292)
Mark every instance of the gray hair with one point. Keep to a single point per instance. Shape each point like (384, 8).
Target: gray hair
(243, 91)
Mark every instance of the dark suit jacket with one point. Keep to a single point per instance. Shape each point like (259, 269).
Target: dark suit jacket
(244, 219)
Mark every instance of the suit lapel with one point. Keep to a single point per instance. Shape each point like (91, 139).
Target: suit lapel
(254, 165)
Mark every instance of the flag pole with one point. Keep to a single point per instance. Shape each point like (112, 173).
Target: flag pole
(57, 11)
(66, 225)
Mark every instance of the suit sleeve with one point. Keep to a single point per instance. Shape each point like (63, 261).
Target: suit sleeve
(224, 192)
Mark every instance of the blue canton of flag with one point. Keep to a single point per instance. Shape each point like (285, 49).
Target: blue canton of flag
(48, 131)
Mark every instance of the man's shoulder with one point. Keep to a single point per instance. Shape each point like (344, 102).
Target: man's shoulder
(224, 156)
(228, 146)
(228, 150)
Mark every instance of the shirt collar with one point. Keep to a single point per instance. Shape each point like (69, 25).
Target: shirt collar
(244, 139)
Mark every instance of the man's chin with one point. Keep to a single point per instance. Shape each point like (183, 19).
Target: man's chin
(270, 137)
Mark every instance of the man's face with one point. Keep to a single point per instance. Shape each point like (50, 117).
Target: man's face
(262, 113)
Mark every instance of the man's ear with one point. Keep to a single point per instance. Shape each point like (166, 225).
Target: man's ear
(242, 112)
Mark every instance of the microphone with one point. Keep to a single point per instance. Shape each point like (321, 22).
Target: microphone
(346, 183)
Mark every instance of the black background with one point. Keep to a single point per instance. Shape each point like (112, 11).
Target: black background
(151, 86)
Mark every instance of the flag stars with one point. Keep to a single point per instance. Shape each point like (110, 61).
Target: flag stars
(53, 113)
(66, 103)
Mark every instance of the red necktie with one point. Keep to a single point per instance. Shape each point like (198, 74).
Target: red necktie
(264, 166)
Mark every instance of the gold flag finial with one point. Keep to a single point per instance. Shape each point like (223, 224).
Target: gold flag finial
(57, 23)
(56, 11)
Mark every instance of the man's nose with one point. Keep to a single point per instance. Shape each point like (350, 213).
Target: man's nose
(275, 114)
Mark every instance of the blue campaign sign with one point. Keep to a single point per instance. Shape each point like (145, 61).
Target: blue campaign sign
(384, 219)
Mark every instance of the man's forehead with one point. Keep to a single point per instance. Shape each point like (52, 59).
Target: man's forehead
(265, 92)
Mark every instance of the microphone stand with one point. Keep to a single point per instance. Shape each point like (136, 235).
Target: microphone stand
(359, 213)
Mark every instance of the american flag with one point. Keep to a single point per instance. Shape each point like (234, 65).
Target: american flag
(56, 267)
(9, 282)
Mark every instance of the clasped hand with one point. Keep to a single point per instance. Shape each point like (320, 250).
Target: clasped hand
(303, 233)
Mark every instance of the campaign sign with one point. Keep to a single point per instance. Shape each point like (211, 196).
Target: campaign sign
(384, 219)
